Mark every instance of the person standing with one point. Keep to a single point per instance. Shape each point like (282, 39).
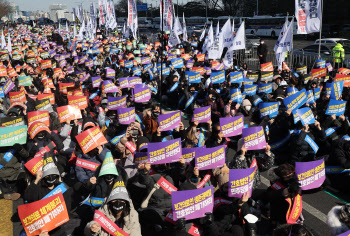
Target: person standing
(262, 52)
(338, 54)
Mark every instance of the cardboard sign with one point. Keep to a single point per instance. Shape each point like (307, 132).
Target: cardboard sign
(192, 204)
(46, 214)
(96, 81)
(164, 152)
(268, 109)
(241, 181)
(169, 121)
(236, 77)
(296, 100)
(306, 116)
(43, 105)
(8, 86)
(142, 95)
(109, 87)
(267, 66)
(90, 139)
(17, 96)
(80, 101)
(12, 121)
(50, 96)
(126, 115)
(217, 77)
(34, 165)
(46, 64)
(254, 138)
(236, 95)
(41, 116)
(232, 126)
(202, 114)
(113, 103)
(310, 174)
(210, 158)
(134, 80)
(9, 136)
(318, 73)
(336, 107)
(69, 112)
(266, 76)
(25, 81)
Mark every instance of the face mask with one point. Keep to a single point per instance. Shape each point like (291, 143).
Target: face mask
(248, 108)
(213, 98)
(40, 136)
(51, 180)
(112, 117)
(156, 113)
(262, 42)
(108, 178)
(117, 207)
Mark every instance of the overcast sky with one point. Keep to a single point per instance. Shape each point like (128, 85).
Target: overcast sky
(32, 5)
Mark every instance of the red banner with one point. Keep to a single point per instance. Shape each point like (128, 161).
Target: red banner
(340, 77)
(70, 112)
(46, 149)
(41, 116)
(166, 185)
(267, 66)
(43, 215)
(17, 96)
(80, 101)
(37, 127)
(90, 139)
(34, 164)
(108, 225)
(318, 73)
(87, 164)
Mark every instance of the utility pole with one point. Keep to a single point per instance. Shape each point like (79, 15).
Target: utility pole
(319, 43)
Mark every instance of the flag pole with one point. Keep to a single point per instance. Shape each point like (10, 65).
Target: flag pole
(161, 53)
(319, 43)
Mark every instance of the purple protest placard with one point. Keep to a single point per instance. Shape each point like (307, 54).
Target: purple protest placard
(210, 158)
(142, 95)
(96, 81)
(124, 82)
(190, 153)
(84, 78)
(202, 114)
(110, 73)
(347, 233)
(134, 80)
(310, 174)
(145, 60)
(241, 181)
(169, 121)
(126, 115)
(110, 87)
(164, 152)
(232, 126)
(8, 86)
(254, 138)
(192, 204)
(115, 103)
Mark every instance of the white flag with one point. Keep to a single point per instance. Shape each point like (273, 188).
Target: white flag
(239, 40)
(215, 50)
(309, 16)
(67, 29)
(208, 40)
(9, 45)
(281, 56)
(81, 31)
(74, 31)
(173, 39)
(227, 34)
(177, 26)
(184, 29)
(203, 33)
(3, 41)
(59, 28)
(286, 43)
(217, 29)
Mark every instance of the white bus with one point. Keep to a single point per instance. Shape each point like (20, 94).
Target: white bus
(267, 25)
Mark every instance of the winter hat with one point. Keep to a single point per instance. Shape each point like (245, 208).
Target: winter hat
(246, 102)
(283, 83)
(108, 166)
(49, 166)
(142, 143)
(13, 110)
(119, 191)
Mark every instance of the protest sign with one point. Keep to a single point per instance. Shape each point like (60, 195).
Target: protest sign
(306, 116)
(19, 96)
(296, 100)
(266, 76)
(217, 77)
(336, 107)
(337, 89)
(241, 181)
(90, 139)
(12, 121)
(254, 138)
(124, 82)
(236, 95)
(250, 89)
(192, 204)
(310, 174)
(113, 103)
(142, 95)
(164, 152)
(210, 158)
(126, 115)
(169, 121)
(193, 77)
(318, 73)
(310, 97)
(9, 136)
(96, 81)
(43, 215)
(232, 126)
(268, 109)
(267, 66)
(80, 101)
(110, 73)
(108, 225)
(63, 87)
(37, 127)
(189, 154)
(109, 87)
(236, 77)
(49, 96)
(69, 112)
(140, 157)
(34, 165)
(177, 63)
(202, 114)
(134, 80)
(41, 116)
(265, 88)
(8, 86)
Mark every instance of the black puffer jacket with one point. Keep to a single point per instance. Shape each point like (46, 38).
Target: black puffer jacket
(340, 156)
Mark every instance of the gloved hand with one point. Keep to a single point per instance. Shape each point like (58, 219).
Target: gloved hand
(180, 224)
(18, 146)
(293, 187)
(209, 218)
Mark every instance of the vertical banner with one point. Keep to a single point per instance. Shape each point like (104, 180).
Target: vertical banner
(132, 17)
(308, 15)
(310, 174)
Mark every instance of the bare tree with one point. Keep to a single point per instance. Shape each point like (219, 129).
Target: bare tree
(5, 8)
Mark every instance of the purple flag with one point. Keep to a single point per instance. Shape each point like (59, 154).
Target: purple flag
(126, 115)
(164, 152)
(210, 158)
(202, 114)
(310, 174)
(254, 138)
(241, 181)
(232, 126)
(8, 86)
(192, 204)
(142, 95)
(96, 81)
(124, 82)
(110, 87)
(189, 153)
(114, 103)
(169, 121)
(134, 80)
